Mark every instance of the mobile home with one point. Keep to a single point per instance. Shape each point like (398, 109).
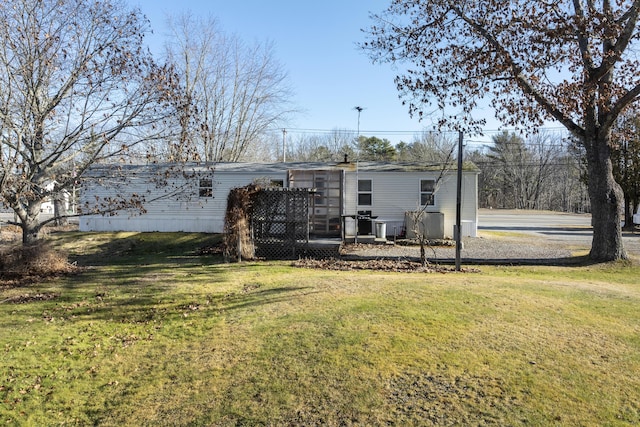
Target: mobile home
(349, 198)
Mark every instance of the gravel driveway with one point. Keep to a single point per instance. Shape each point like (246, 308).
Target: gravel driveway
(522, 237)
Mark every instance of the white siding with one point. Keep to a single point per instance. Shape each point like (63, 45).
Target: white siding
(168, 210)
(177, 207)
(350, 197)
(394, 193)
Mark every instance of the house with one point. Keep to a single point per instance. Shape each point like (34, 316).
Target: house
(348, 197)
(48, 205)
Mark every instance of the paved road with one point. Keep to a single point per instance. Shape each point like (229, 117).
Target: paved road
(547, 224)
(573, 229)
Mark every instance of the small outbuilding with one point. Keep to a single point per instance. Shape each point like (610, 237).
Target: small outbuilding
(347, 199)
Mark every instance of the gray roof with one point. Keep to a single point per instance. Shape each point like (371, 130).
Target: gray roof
(279, 167)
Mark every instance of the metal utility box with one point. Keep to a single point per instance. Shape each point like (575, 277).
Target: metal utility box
(431, 224)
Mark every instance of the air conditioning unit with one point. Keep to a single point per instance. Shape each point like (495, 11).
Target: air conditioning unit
(431, 224)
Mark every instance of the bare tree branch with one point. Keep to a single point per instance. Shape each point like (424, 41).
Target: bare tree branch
(77, 86)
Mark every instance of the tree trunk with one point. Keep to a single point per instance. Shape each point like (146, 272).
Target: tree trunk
(29, 221)
(59, 210)
(423, 253)
(30, 230)
(628, 215)
(607, 201)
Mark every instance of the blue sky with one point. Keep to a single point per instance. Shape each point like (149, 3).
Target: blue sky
(315, 41)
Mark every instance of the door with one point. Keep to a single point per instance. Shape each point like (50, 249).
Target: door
(326, 203)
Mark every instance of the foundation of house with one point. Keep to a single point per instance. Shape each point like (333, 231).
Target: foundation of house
(368, 239)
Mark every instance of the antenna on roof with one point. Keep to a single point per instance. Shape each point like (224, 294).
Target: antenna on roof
(359, 109)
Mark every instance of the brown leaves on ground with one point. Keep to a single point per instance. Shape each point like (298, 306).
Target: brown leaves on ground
(26, 298)
(380, 264)
(25, 264)
(217, 249)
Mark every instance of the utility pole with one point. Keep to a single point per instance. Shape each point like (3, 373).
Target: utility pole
(459, 204)
(359, 110)
(284, 145)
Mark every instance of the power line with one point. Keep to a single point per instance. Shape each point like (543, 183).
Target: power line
(485, 132)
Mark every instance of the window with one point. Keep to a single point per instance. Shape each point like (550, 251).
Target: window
(364, 192)
(427, 187)
(205, 188)
(320, 182)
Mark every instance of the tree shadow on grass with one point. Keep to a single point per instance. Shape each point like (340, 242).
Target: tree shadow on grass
(145, 248)
(147, 295)
(570, 261)
(157, 305)
(134, 277)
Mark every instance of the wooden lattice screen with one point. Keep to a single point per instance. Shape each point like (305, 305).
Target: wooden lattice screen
(280, 222)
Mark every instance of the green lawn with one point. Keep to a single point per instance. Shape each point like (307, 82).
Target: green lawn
(151, 333)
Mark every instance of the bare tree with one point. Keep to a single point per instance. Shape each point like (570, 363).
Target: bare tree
(446, 162)
(573, 61)
(524, 167)
(310, 148)
(545, 149)
(325, 147)
(77, 87)
(537, 172)
(510, 152)
(429, 147)
(236, 91)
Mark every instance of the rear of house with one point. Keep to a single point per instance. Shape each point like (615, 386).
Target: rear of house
(389, 192)
(348, 198)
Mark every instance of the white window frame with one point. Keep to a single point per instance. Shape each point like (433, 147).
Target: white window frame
(205, 188)
(365, 192)
(427, 196)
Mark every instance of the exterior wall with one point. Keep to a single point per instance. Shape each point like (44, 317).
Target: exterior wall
(349, 206)
(172, 208)
(394, 193)
(178, 207)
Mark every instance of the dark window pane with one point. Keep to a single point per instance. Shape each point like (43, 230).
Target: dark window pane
(427, 199)
(364, 185)
(427, 185)
(364, 199)
(206, 188)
